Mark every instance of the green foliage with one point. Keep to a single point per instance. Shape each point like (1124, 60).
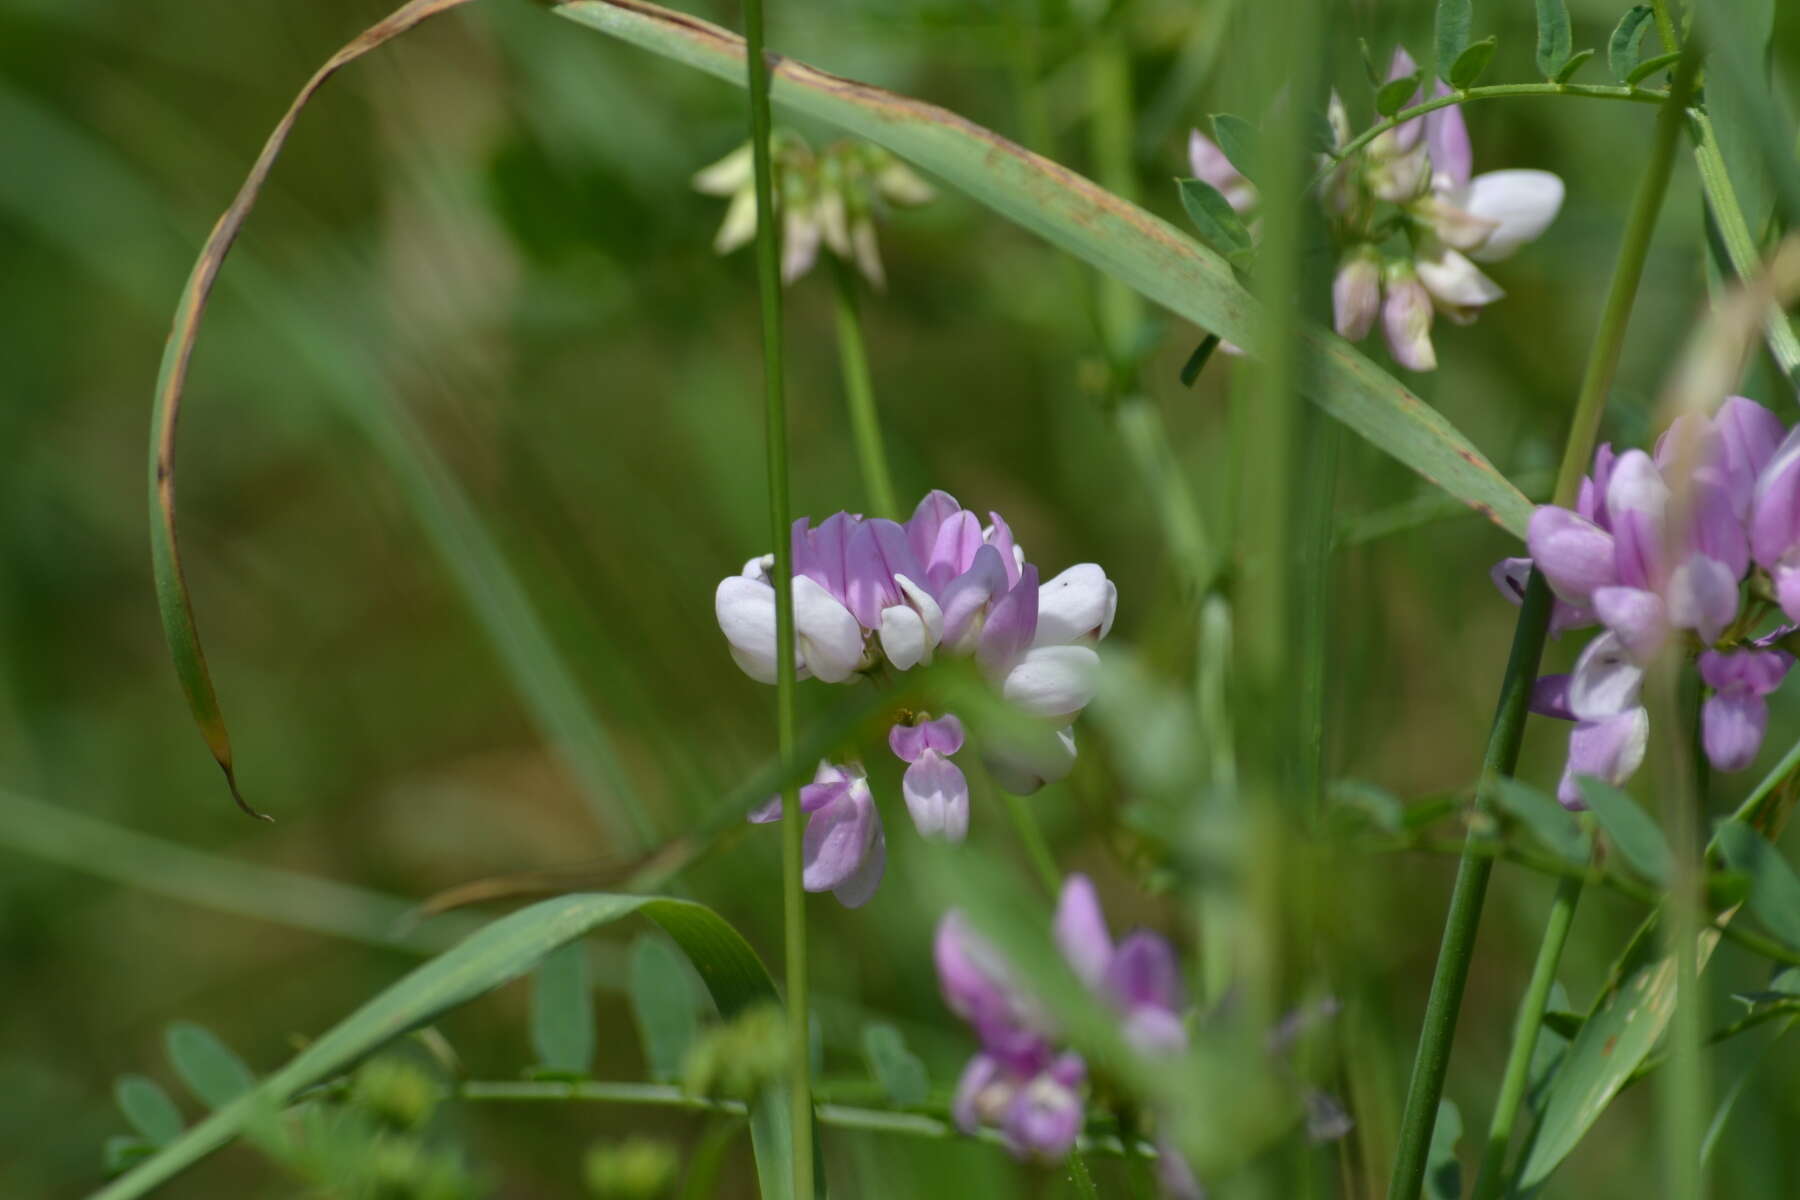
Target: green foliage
(1553, 37)
(738, 1059)
(562, 1012)
(1452, 38)
(395, 1093)
(1630, 829)
(1443, 1170)
(1624, 48)
(637, 1168)
(1469, 66)
(206, 1065)
(1548, 821)
(1239, 140)
(1774, 887)
(898, 1070)
(664, 1006)
(1218, 223)
(148, 1108)
(1573, 64)
(1393, 95)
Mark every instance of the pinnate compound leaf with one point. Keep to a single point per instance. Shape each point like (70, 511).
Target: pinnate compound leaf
(1774, 888)
(1575, 63)
(1109, 233)
(1554, 42)
(1651, 66)
(562, 1011)
(1631, 830)
(898, 1070)
(206, 1065)
(1470, 64)
(494, 955)
(664, 1005)
(148, 1108)
(1392, 96)
(1217, 222)
(1549, 822)
(1453, 19)
(1626, 44)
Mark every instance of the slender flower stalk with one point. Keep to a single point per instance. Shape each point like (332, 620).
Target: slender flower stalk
(768, 273)
(1433, 1059)
(859, 395)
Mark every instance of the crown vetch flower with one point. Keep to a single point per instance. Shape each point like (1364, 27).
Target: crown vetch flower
(1448, 220)
(873, 594)
(1697, 546)
(830, 198)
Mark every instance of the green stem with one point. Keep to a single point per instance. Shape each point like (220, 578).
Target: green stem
(1037, 848)
(1432, 1062)
(1524, 1044)
(768, 275)
(1495, 91)
(859, 395)
(1682, 1093)
(838, 1116)
(1452, 972)
(1665, 26)
(1734, 234)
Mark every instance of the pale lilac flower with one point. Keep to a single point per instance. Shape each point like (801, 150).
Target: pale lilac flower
(937, 794)
(1612, 727)
(871, 594)
(1406, 318)
(1657, 550)
(1356, 295)
(1137, 976)
(1733, 719)
(844, 849)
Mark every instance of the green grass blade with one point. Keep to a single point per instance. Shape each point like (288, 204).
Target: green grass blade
(172, 597)
(1612, 1043)
(1117, 237)
(501, 952)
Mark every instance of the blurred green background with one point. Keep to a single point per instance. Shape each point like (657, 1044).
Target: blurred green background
(480, 266)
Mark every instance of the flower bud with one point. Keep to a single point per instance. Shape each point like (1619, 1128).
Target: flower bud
(1356, 295)
(1406, 319)
(638, 1168)
(394, 1092)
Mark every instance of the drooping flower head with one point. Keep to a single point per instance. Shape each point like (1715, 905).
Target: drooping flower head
(831, 197)
(1687, 547)
(872, 594)
(1414, 219)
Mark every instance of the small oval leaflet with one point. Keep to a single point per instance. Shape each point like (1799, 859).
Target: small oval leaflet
(1470, 64)
(1626, 43)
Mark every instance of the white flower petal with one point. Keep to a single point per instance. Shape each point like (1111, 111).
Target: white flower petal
(830, 640)
(1523, 203)
(1053, 681)
(739, 225)
(1455, 282)
(1076, 606)
(903, 637)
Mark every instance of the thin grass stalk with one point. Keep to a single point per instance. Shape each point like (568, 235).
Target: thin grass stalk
(793, 898)
(859, 394)
(1452, 972)
(1491, 1176)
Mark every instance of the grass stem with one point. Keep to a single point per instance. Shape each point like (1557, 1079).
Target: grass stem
(859, 395)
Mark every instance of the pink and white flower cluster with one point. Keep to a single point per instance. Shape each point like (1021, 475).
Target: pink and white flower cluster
(1413, 220)
(1697, 547)
(873, 594)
